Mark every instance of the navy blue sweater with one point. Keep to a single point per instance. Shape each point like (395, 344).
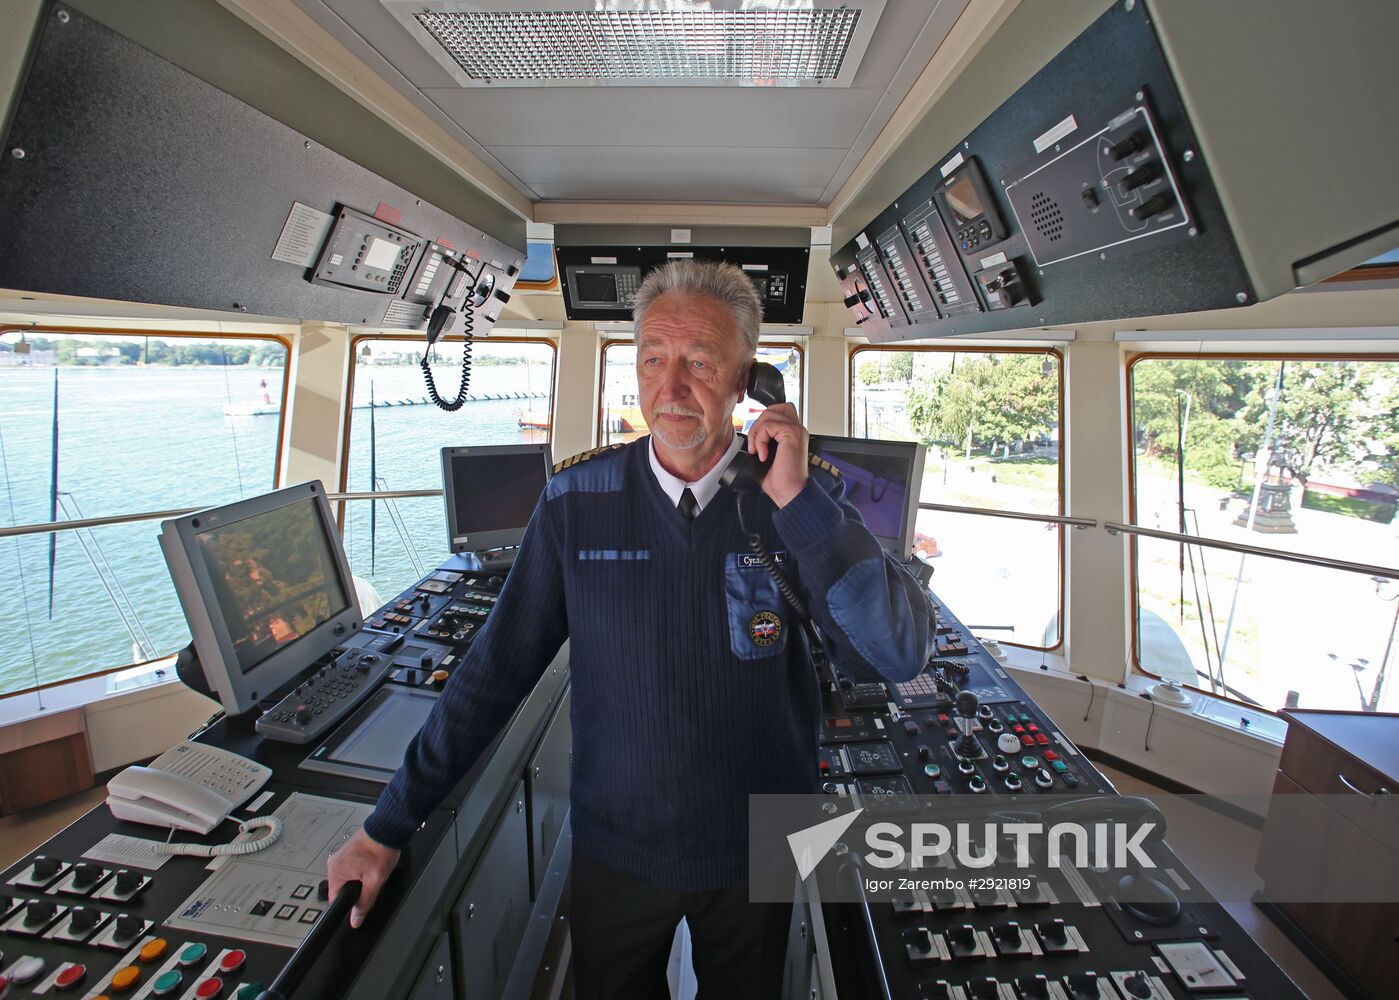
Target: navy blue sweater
(687, 698)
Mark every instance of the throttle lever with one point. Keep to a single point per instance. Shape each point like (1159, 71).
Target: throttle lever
(336, 916)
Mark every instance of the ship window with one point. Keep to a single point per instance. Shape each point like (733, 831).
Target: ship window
(991, 421)
(395, 445)
(619, 406)
(1291, 454)
(102, 424)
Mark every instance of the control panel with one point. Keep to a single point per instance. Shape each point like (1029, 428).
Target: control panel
(965, 734)
(367, 254)
(1084, 197)
(96, 913)
(327, 695)
(601, 282)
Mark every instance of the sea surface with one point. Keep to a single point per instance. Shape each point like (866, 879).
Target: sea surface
(137, 439)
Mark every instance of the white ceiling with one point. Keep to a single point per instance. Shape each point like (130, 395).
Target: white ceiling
(750, 145)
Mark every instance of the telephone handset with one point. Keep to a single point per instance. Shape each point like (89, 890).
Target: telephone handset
(189, 787)
(746, 471)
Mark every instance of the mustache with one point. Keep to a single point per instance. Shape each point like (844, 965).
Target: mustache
(678, 410)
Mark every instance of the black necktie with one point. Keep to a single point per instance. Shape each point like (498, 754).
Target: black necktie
(688, 505)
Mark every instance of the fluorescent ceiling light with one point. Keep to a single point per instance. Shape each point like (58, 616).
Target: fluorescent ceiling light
(557, 43)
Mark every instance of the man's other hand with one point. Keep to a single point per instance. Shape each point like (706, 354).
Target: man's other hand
(361, 857)
(779, 427)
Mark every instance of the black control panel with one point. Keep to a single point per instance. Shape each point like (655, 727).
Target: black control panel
(601, 282)
(965, 733)
(1084, 197)
(435, 621)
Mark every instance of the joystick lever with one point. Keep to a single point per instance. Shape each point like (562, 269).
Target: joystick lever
(967, 745)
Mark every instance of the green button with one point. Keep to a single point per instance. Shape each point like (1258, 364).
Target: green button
(1026, 718)
(1059, 766)
(1030, 763)
(932, 770)
(249, 992)
(166, 982)
(977, 780)
(193, 953)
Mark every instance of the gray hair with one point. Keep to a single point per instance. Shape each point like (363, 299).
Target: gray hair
(717, 280)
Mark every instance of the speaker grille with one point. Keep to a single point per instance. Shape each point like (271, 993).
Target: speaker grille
(1045, 214)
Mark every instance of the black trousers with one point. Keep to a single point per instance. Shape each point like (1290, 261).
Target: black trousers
(623, 927)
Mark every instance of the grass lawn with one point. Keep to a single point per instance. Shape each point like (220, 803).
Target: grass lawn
(1349, 506)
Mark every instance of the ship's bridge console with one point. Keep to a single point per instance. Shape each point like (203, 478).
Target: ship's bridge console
(320, 705)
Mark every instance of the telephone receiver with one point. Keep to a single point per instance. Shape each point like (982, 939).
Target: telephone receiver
(746, 472)
(149, 795)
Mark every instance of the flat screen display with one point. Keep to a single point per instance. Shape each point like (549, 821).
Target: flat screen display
(275, 578)
(878, 487)
(382, 255)
(380, 738)
(494, 492)
(961, 198)
(596, 287)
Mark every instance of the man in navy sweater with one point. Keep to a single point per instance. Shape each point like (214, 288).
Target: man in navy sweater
(692, 684)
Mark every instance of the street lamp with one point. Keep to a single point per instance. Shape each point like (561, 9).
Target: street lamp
(1382, 584)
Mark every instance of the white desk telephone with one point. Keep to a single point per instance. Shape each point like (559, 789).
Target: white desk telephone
(190, 787)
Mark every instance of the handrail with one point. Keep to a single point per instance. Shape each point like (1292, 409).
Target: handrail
(1019, 515)
(1114, 528)
(49, 527)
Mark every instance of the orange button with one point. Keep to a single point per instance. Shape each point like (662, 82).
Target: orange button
(153, 949)
(125, 979)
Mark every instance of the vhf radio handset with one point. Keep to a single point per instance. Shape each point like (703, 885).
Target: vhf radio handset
(744, 475)
(746, 471)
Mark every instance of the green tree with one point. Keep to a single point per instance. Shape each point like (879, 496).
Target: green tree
(869, 373)
(1324, 414)
(985, 401)
(901, 366)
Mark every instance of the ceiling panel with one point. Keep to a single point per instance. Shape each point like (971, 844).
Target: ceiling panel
(774, 145)
(661, 116)
(624, 173)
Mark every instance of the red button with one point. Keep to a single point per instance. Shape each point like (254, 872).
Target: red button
(211, 987)
(70, 975)
(1033, 728)
(1017, 729)
(233, 961)
(1041, 738)
(825, 765)
(943, 719)
(1050, 755)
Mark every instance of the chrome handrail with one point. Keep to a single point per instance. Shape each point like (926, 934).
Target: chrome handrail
(1018, 515)
(49, 527)
(1114, 528)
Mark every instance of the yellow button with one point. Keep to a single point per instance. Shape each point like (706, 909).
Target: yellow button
(124, 979)
(153, 949)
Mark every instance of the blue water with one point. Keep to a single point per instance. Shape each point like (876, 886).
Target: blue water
(144, 439)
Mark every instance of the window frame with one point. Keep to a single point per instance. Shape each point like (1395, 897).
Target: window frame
(355, 341)
(1058, 354)
(107, 331)
(598, 428)
(1130, 362)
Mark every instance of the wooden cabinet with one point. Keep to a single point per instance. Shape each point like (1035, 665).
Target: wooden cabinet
(1347, 763)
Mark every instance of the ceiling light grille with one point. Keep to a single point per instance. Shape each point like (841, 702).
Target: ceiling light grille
(675, 43)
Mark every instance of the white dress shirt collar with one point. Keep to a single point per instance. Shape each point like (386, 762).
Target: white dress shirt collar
(703, 488)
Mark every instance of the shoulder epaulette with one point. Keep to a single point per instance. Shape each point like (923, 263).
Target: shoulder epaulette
(583, 456)
(824, 465)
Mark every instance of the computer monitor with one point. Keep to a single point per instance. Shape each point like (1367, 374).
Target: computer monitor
(882, 480)
(490, 492)
(265, 587)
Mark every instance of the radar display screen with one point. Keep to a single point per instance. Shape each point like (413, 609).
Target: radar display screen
(963, 200)
(275, 578)
(596, 287)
